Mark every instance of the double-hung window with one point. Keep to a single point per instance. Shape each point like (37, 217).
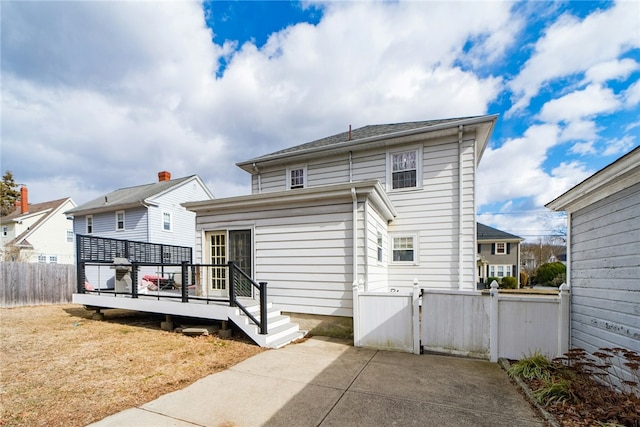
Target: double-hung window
(403, 249)
(501, 248)
(120, 220)
(89, 224)
(296, 177)
(70, 236)
(405, 169)
(166, 221)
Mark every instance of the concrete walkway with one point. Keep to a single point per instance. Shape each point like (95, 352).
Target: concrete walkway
(328, 382)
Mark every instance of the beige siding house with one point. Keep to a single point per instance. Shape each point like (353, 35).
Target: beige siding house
(379, 206)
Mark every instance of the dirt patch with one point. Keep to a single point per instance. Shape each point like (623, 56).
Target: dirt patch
(61, 368)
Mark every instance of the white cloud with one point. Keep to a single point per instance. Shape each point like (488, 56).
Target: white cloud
(594, 99)
(103, 95)
(515, 169)
(583, 148)
(611, 70)
(579, 130)
(619, 146)
(632, 95)
(571, 46)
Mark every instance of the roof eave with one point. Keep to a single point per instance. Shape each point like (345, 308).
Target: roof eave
(248, 165)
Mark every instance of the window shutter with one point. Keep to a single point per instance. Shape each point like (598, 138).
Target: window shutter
(508, 248)
(479, 248)
(493, 249)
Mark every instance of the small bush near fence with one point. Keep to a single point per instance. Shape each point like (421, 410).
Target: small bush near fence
(34, 284)
(509, 282)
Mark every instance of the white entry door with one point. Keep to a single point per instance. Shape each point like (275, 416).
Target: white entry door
(217, 252)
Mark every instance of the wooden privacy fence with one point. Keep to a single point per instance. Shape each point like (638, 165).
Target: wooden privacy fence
(488, 325)
(34, 284)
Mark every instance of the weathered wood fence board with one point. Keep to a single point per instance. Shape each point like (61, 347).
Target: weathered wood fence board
(34, 284)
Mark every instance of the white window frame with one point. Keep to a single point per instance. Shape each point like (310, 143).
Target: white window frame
(42, 259)
(69, 236)
(89, 224)
(419, 161)
(392, 248)
(53, 259)
(504, 248)
(494, 270)
(305, 176)
(380, 252)
(5, 230)
(118, 221)
(165, 213)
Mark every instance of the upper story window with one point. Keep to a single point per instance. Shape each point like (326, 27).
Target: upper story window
(70, 236)
(120, 220)
(379, 246)
(297, 177)
(166, 221)
(404, 249)
(53, 259)
(405, 169)
(89, 224)
(42, 258)
(5, 230)
(501, 248)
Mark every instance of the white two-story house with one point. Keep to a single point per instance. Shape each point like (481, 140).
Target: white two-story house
(377, 207)
(38, 232)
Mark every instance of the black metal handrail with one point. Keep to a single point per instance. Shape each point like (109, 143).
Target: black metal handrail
(234, 302)
(236, 277)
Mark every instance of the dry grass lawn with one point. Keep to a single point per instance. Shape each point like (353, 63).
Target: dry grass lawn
(61, 368)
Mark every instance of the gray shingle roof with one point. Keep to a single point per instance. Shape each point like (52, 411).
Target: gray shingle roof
(127, 196)
(484, 232)
(356, 135)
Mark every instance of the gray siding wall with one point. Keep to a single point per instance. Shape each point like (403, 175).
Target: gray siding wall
(104, 225)
(605, 273)
(304, 253)
(430, 212)
(183, 221)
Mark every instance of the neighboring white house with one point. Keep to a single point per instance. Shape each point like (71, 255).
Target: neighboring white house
(378, 206)
(603, 214)
(38, 232)
(145, 213)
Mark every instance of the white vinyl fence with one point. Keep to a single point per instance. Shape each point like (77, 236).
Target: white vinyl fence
(489, 325)
(386, 320)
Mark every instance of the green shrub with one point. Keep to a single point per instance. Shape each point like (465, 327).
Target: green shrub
(534, 367)
(509, 282)
(551, 274)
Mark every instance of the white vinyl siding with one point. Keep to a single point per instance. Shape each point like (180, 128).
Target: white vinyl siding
(135, 226)
(303, 252)
(432, 208)
(605, 266)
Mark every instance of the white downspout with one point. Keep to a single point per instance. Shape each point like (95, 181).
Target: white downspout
(350, 166)
(255, 169)
(460, 210)
(354, 197)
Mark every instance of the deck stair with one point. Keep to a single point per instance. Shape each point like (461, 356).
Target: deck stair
(281, 331)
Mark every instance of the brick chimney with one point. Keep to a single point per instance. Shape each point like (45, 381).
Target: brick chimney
(24, 199)
(164, 176)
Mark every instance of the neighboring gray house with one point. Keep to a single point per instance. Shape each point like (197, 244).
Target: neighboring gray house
(376, 207)
(603, 214)
(498, 254)
(145, 213)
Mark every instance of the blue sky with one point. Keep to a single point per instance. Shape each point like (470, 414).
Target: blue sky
(103, 95)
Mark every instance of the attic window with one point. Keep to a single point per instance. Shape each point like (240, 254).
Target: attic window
(296, 177)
